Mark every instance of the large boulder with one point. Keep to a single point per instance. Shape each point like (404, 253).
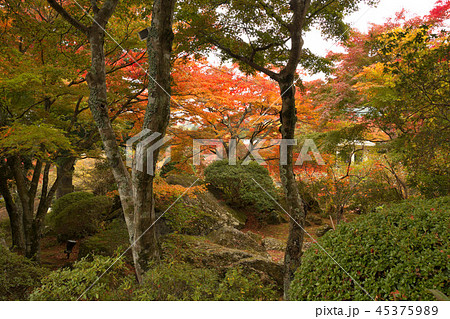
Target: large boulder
(233, 238)
(198, 214)
(203, 253)
(267, 269)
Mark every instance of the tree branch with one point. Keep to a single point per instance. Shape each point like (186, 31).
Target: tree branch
(77, 24)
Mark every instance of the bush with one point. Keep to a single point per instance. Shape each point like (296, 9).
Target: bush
(82, 216)
(61, 203)
(18, 276)
(115, 283)
(107, 242)
(395, 253)
(180, 281)
(237, 182)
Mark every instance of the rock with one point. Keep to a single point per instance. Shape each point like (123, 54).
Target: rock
(323, 230)
(183, 180)
(266, 268)
(197, 215)
(202, 253)
(270, 243)
(233, 238)
(314, 219)
(209, 204)
(255, 236)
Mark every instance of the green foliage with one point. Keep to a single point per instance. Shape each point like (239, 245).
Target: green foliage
(180, 281)
(395, 253)
(114, 283)
(61, 203)
(187, 219)
(237, 182)
(77, 215)
(407, 95)
(266, 23)
(39, 140)
(373, 191)
(107, 242)
(18, 275)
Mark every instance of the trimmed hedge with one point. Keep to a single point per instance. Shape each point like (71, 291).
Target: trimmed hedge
(395, 253)
(77, 215)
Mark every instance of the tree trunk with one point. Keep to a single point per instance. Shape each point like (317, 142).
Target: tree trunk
(96, 79)
(288, 118)
(136, 192)
(65, 178)
(14, 214)
(44, 204)
(159, 48)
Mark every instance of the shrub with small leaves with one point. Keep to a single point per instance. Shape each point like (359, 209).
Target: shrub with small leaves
(18, 275)
(115, 281)
(398, 252)
(181, 281)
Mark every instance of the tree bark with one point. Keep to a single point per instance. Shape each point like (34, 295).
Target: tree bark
(136, 191)
(159, 48)
(65, 178)
(14, 214)
(293, 253)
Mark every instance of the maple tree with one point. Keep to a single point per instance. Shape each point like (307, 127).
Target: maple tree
(43, 112)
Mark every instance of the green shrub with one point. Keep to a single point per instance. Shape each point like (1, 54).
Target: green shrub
(79, 218)
(237, 182)
(115, 281)
(18, 275)
(395, 253)
(61, 203)
(180, 281)
(107, 242)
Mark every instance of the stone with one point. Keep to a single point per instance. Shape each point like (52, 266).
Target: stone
(203, 253)
(266, 268)
(270, 243)
(234, 238)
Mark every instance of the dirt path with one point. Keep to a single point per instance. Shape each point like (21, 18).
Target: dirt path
(280, 232)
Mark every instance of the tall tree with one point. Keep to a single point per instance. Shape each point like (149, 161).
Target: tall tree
(267, 36)
(135, 190)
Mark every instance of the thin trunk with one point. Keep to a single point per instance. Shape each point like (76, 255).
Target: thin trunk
(44, 204)
(159, 48)
(288, 118)
(15, 215)
(65, 178)
(98, 105)
(26, 202)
